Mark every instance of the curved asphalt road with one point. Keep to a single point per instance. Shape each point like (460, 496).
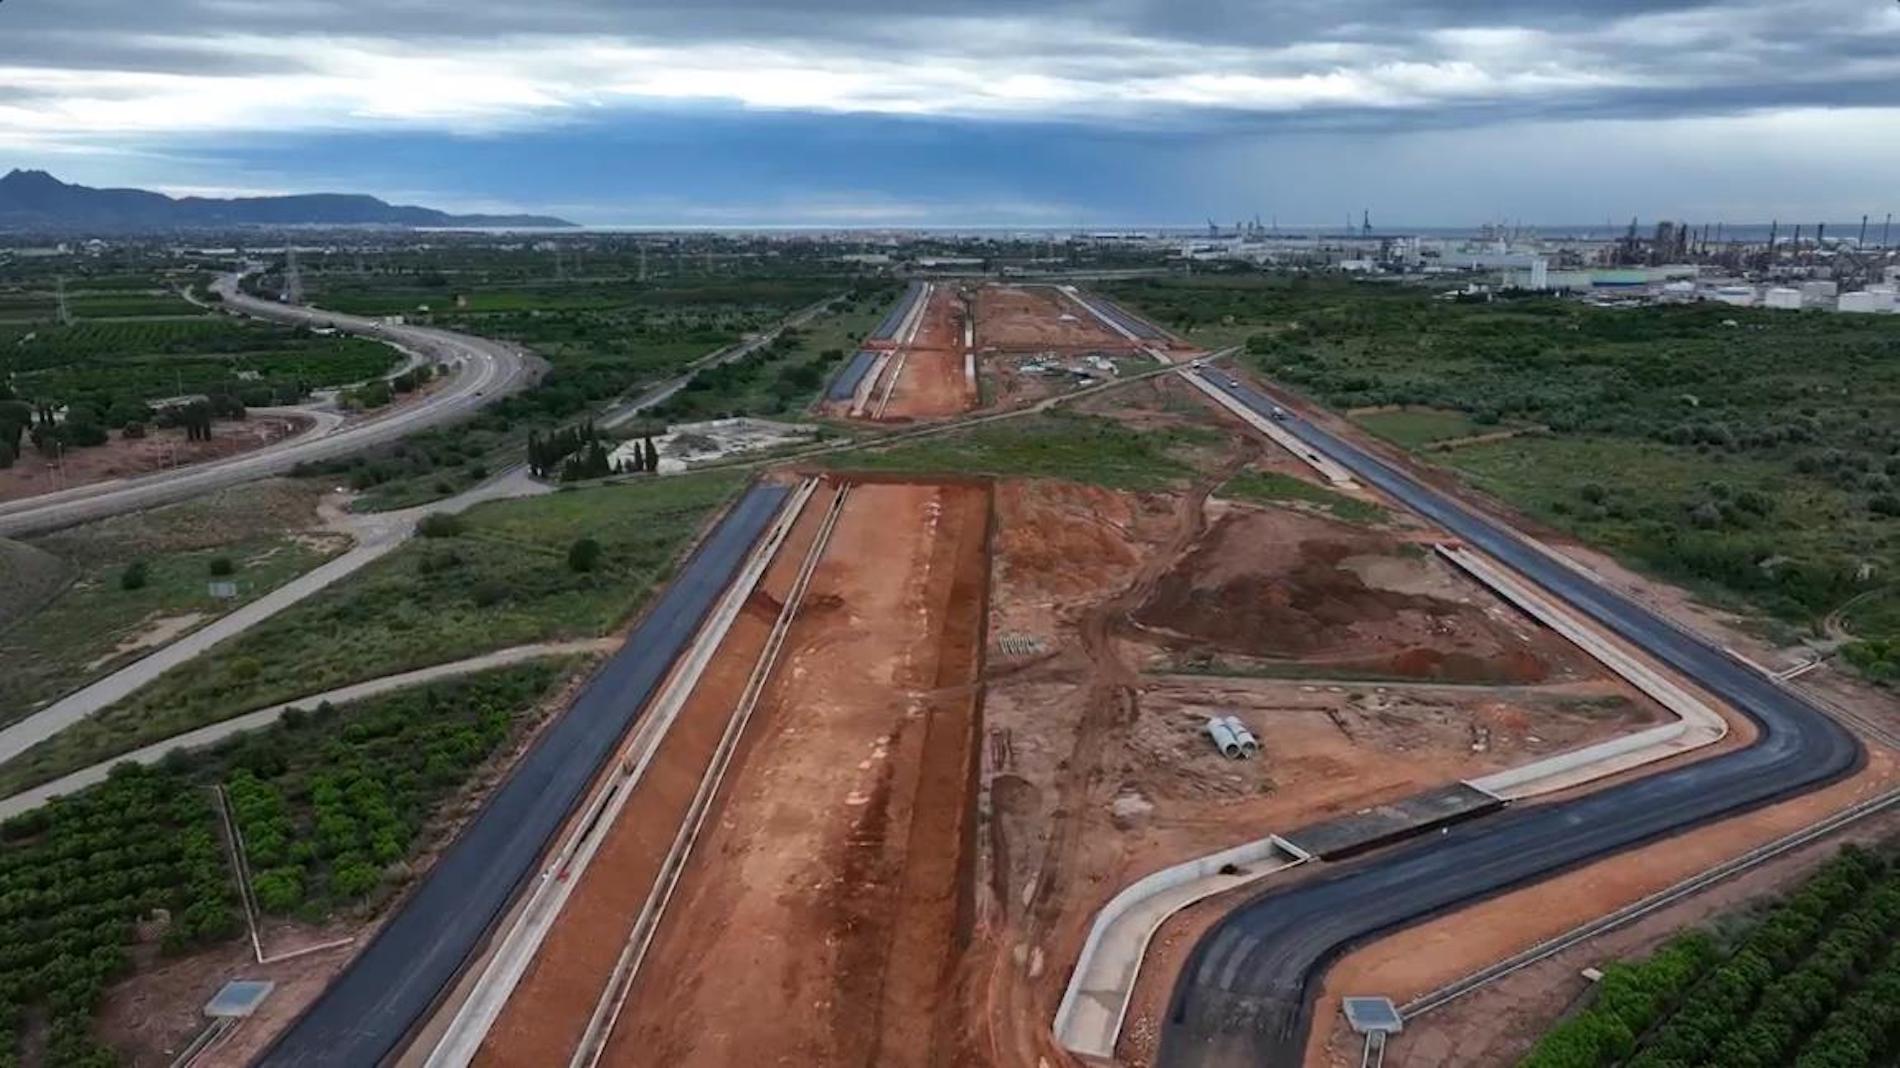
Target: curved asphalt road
(484, 372)
(1243, 998)
(366, 1013)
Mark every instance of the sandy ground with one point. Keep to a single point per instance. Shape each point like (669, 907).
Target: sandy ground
(932, 383)
(32, 474)
(820, 917)
(1028, 319)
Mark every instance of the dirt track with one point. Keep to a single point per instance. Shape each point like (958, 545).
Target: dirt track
(822, 913)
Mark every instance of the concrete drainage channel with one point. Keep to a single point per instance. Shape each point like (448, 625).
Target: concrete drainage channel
(607, 1011)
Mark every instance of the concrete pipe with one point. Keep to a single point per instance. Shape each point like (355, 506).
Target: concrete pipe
(1224, 738)
(1249, 745)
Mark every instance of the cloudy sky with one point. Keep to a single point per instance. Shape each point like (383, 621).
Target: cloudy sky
(1092, 112)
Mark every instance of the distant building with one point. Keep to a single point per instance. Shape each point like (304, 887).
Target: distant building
(1782, 297)
(1819, 293)
(1740, 296)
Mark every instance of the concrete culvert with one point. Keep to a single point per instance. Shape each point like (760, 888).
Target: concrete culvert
(1224, 738)
(1249, 745)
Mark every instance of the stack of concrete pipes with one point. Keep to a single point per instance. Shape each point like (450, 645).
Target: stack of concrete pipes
(1232, 737)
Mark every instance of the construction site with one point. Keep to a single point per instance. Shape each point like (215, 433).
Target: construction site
(964, 770)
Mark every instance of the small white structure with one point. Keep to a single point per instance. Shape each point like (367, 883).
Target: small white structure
(1740, 296)
(1678, 292)
(1782, 297)
(1540, 275)
(1820, 293)
(1872, 299)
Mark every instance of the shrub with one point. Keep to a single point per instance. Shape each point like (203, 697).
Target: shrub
(440, 525)
(584, 555)
(220, 566)
(134, 576)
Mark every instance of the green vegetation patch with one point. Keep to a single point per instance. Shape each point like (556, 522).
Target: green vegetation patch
(1814, 984)
(1056, 444)
(1274, 487)
(96, 625)
(1416, 427)
(504, 580)
(332, 804)
(1684, 438)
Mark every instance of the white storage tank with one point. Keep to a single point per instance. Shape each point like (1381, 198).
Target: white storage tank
(1740, 296)
(1782, 297)
(1877, 300)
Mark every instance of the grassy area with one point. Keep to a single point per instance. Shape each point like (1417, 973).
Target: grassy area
(1273, 487)
(333, 804)
(503, 581)
(96, 626)
(1057, 444)
(1681, 437)
(1415, 427)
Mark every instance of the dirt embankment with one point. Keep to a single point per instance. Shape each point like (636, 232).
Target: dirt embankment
(1280, 586)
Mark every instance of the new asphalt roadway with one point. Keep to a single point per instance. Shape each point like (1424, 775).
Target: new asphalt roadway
(364, 1015)
(1244, 997)
(483, 372)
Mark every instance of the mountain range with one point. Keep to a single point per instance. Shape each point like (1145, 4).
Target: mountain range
(35, 200)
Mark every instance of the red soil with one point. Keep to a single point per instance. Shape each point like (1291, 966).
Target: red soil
(826, 903)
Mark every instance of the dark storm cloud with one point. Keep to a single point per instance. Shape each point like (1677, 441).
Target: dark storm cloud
(1441, 62)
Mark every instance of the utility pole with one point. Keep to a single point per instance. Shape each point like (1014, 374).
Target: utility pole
(65, 313)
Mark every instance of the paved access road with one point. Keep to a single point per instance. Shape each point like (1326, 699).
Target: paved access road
(1244, 996)
(483, 372)
(370, 1008)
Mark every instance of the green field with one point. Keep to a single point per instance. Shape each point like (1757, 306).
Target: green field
(1417, 427)
(1683, 438)
(94, 626)
(503, 581)
(1055, 444)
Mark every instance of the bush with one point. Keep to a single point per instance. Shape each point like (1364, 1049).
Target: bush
(584, 555)
(134, 576)
(220, 566)
(440, 525)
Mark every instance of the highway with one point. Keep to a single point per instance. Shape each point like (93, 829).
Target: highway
(365, 1014)
(483, 372)
(1244, 996)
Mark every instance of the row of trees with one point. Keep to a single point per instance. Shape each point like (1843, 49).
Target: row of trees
(580, 451)
(75, 878)
(1793, 975)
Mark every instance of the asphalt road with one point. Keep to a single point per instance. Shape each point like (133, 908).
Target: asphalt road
(364, 1015)
(1244, 997)
(484, 371)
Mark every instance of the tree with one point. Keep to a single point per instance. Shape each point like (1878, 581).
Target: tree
(653, 455)
(220, 566)
(134, 576)
(584, 555)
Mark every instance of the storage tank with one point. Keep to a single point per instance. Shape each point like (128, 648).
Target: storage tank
(1782, 297)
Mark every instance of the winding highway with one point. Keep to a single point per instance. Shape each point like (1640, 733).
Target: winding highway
(482, 372)
(1245, 994)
